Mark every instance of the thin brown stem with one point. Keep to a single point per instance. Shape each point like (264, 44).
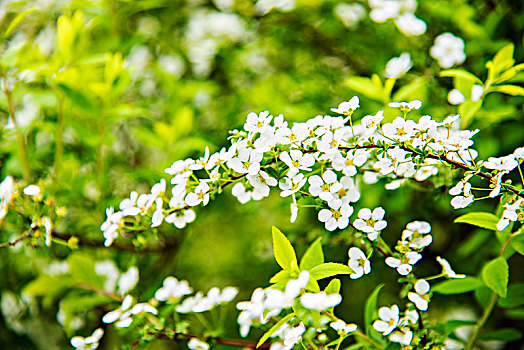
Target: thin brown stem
(19, 239)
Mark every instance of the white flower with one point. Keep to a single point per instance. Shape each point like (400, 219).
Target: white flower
(257, 123)
(349, 14)
(337, 216)
(128, 280)
(410, 25)
(510, 214)
(519, 153)
(320, 301)
(400, 129)
(388, 319)
(292, 185)
(88, 343)
(346, 106)
(341, 326)
(416, 234)
(448, 50)
(296, 161)
(404, 264)
(7, 189)
(371, 122)
(421, 297)
(32, 190)
(476, 92)
(403, 336)
(348, 164)
(172, 289)
(262, 181)
(109, 270)
(247, 161)
(455, 97)
(201, 162)
(358, 263)
(195, 344)
(447, 270)
(124, 313)
(111, 225)
(370, 222)
(200, 195)
(324, 187)
(181, 218)
(293, 335)
(398, 66)
(506, 163)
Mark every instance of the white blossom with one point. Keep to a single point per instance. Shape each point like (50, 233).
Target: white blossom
(447, 270)
(324, 187)
(320, 301)
(389, 318)
(347, 106)
(421, 296)
(196, 344)
(88, 343)
(337, 216)
(173, 289)
(341, 326)
(448, 50)
(398, 66)
(358, 262)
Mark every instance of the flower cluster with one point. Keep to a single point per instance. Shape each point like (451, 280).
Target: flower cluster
(398, 329)
(322, 159)
(414, 239)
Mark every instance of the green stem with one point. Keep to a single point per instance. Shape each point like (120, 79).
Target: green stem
(59, 153)
(22, 150)
(384, 245)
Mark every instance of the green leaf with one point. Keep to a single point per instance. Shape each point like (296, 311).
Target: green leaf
(281, 277)
(457, 286)
(365, 86)
(273, 329)
(78, 98)
(462, 74)
(329, 269)
(504, 58)
(15, 22)
(518, 243)
(495, 275)
(333, 286)
(415, 90)
(46, 285)
(82, 270)
(467, 110)
(371, 307)
(480, 219)
(515, 296)
(515, 314)
(313, 256)
(312, 286)
(509, 89)
(284, 252)
(451, 325)
(505, 335)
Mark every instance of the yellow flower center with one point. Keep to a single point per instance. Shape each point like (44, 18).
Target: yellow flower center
(326, 187)
(401, 132)
(349, 162)
(342, 192)
(336, 214)
(247, 164)
(370, 222)
(295, 163)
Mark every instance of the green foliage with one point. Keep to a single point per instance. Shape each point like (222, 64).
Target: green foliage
(458, 286)
(484, 220)
(495, 275)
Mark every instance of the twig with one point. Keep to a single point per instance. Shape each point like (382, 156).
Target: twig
(21, 238)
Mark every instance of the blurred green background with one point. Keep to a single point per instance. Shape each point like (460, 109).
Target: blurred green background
(132, 86)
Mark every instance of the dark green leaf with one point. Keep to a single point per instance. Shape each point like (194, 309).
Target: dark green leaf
(495, 275)
(371, 307)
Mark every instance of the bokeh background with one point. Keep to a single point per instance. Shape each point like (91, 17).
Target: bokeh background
(140, 84)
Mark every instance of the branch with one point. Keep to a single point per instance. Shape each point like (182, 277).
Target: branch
(21, 238)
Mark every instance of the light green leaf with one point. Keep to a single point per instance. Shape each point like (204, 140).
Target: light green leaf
(281, 277)
(365, 86)
(467, 110)
(15, 22)
(284, 252)
(495, 275)
(512, 90)
(313, 256)
(504, 58)
(458, 286)
(46, 285)
(462, 74)
(333, 286)
(273, 329)
(510, 73)
(505, 335)
(371, 307)
(82, 270)
(329, 269)
(480, 219)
